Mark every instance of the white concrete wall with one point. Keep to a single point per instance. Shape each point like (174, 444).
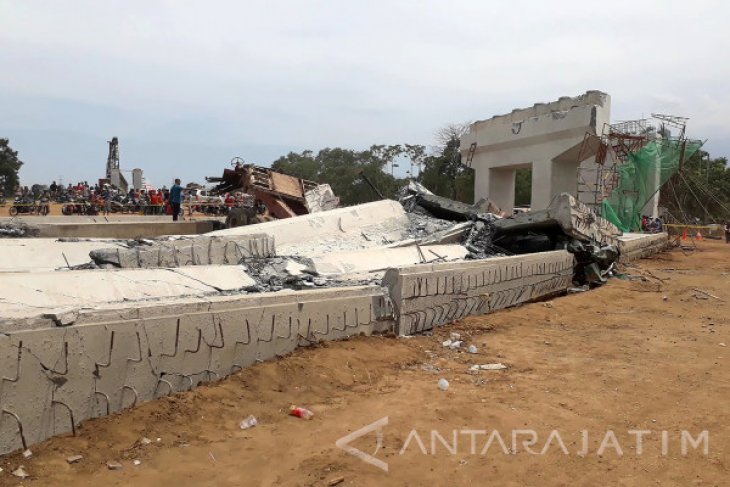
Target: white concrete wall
(546, 138)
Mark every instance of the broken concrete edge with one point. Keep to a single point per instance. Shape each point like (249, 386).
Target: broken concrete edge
(574, 218)
(67, 316)
(640, 246)
(198, 250)
(426, 296)
(126, 230)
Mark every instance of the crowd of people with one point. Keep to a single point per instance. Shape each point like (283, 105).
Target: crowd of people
(651, 225)
(107, 198)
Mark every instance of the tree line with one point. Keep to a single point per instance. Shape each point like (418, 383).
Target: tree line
(699, 191)
(441, 170)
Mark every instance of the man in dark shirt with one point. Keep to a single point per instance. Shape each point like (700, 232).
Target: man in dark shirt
(175, 199)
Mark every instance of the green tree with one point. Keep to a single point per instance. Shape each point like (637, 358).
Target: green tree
(701, 189)
(341, 169)
(523, 186)
(443, 172)
(9, 166)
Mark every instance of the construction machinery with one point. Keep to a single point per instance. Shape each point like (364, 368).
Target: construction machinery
(267, 194)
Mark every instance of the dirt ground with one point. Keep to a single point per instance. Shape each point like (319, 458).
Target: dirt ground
(641, 354)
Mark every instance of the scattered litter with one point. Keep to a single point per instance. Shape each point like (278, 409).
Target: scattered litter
(300, 412)
(665, 298)
(27, 454)
(472, 349)
(20, 473)
(455, 345)
(455, 337)
(111, 465)
(136, 462)
(579, 289)
(722, 344)
(707, 294)
(336, 481)
(498, 366)
(443, 384)
(212, 457)
(249, 422)
(74, 459)
(430, 368)
(145, 441)
(548, 304)
(446, 343)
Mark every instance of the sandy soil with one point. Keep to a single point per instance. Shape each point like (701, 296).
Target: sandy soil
(633, 355)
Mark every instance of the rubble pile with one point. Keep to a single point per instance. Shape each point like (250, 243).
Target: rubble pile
(17, 229)
(566, 224)
(423, 224)
(293, 272)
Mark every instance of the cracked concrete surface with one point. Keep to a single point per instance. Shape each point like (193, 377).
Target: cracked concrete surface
(29, 294)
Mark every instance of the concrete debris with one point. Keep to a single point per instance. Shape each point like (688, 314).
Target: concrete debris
(593, 262)
(498, 366)
(18, 229)
(579, 289)
(414, 195)
(249, 422)
(423, 225)
(202, 250)
(336, 481)
(566, 217)
(74, 459)
(27, 454)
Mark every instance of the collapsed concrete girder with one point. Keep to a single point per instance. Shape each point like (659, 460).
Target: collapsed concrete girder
(435, 294)
(202, 250)
(565, 213)
(53, 378)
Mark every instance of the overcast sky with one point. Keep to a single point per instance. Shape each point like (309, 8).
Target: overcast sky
(187, 85)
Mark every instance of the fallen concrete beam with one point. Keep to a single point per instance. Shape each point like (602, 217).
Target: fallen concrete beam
(45, 254)
(634, 246)
(203, 250)
(574, 218)
(426, 296)
(355, 227)
(449, 209)
(125, 230)
(29, 294)
(53, 378)
(374, 262)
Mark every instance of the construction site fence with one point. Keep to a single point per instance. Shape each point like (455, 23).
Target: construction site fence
(717, 231)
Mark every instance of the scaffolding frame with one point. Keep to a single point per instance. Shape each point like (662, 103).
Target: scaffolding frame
(597, 181)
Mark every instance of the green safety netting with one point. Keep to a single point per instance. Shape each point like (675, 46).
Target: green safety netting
(642, 175)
